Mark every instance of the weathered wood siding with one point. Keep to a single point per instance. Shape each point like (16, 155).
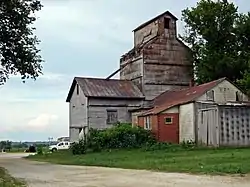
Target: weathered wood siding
(186, 122)
(166, 66)
(208, 126)
(224, 92)
(133, 71)
(200, 130)
(165, 62)
(78, 113)
(97, 111)
(146, 33)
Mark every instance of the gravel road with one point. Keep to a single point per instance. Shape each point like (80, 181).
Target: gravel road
(47, 175)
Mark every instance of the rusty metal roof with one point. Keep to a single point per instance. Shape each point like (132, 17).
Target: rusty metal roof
(112, 88)
(173, 98)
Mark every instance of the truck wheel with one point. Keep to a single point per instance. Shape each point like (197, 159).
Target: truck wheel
(54, 149)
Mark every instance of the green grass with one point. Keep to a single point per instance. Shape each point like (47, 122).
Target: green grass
(208, 161)
(8, 181)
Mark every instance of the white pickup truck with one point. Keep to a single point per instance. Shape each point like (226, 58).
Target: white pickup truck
(60, 146)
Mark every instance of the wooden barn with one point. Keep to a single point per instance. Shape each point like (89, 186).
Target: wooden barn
(176, 114)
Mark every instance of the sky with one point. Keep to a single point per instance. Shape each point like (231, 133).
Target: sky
(78, 38)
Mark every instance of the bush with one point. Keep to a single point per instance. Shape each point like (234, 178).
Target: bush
(117, 137)
(32, 149)
(78, 148)
(39, 150)
(122, 136)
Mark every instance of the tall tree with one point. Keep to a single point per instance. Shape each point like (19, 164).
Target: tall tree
(219, 38)
(244, 38)
(18, 44)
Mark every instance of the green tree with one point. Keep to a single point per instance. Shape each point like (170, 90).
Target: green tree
(3, 144)
(8, 145)
(18, 44)
(218, 36)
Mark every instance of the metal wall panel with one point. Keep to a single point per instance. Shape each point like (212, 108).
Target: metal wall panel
(234, 126)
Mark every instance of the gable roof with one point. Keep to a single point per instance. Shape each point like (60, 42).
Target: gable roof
(110, 88)
(173, 98)
(152, 20)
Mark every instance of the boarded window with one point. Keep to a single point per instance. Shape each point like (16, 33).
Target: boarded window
(147, 123)
(112, 117)
(168, 120)
(166, 23)
(210, 95)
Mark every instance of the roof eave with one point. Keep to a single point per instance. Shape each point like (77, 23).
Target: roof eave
(71, 90)
(153, 19)
(116, 97)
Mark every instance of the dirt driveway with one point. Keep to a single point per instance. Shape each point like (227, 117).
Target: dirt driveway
(48, 175)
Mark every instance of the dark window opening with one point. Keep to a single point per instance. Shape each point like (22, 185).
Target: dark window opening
(80, 129)
(77, 89)
(166, 23)
(168, 120)
(237, 96)
(112, 117)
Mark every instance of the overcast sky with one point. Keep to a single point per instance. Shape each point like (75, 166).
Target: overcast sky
(78, 38)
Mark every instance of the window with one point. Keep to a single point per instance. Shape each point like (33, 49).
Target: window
(168, 120)
(60, 144)
(80, 130)
(166, 23)
(66, 143)
(147, 123)
(239, 96)
(112, 116)
(210, 95)
(77, 89)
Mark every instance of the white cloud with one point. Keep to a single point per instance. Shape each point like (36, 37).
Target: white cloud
(34, 116)
(53, 76)
(41, 123)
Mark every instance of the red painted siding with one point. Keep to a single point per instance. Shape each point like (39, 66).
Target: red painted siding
(141, 122)
(163, 132)
(168, 132)
(154, 123)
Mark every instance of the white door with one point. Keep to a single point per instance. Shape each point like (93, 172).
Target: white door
(66, 145)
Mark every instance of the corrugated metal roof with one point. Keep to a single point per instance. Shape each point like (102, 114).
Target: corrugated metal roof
(112, 88)
(170, 99)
